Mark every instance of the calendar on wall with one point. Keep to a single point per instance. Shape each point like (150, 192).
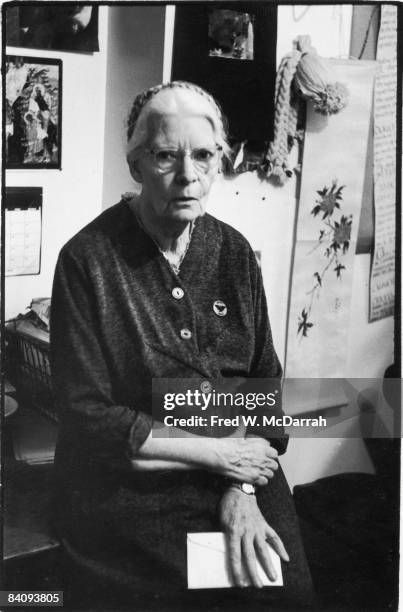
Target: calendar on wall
(23, 229)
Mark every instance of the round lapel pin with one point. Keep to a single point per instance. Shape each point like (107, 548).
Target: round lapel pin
(220, 308)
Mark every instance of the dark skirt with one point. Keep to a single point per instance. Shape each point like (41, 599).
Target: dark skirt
(125, 543)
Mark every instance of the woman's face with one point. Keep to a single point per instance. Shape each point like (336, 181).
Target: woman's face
(179, 194)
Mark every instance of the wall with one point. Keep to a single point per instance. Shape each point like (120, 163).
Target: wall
(72, 195)
(134, 63)
(328, 26)
(265, 215)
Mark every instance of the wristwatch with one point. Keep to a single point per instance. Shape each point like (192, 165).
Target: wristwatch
(245, 487)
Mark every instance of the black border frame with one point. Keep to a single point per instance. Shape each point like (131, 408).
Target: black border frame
(397, 372)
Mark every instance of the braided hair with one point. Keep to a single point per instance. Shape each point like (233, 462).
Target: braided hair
(142, 99)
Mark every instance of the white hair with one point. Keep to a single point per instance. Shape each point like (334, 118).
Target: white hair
(176, 97)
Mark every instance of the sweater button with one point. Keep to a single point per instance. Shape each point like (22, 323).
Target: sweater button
(178, 293)
(186, 334)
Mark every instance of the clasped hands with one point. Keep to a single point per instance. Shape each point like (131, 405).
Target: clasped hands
(250, 459)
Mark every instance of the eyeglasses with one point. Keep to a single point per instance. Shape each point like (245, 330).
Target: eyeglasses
(203, 159)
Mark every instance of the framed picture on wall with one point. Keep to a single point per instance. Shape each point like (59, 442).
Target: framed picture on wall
(33, 98)
(68, 27)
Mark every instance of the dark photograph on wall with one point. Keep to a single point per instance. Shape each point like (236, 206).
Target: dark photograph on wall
(209, 42)
(230, 34)
(33, 96)
(71, 27)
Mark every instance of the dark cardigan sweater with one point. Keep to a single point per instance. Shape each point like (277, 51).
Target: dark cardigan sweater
(115, 325)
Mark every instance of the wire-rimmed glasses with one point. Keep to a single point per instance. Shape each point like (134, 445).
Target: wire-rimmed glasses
(204, 159)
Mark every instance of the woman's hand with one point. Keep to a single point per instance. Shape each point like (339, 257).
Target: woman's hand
(251, 460)
(247, 534)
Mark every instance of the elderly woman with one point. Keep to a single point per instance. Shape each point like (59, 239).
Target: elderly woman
(156, 287)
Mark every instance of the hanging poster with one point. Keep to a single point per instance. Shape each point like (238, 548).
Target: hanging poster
(383, 264)
(33, 112)
(333, 172)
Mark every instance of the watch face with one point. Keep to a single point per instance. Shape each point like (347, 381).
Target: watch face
(247, 488)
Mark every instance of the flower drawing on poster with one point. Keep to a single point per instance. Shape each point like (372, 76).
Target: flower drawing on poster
(230, 34)
(334, 237)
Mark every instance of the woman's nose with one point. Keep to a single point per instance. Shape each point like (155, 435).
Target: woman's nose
(186, 172)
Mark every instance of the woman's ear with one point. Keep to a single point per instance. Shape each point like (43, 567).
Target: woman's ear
(134, 170)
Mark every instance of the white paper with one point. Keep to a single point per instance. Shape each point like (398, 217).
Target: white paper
(383, 266)
(23, 241)
(207, 561)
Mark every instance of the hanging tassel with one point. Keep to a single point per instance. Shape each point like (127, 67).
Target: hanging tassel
(313, 80)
